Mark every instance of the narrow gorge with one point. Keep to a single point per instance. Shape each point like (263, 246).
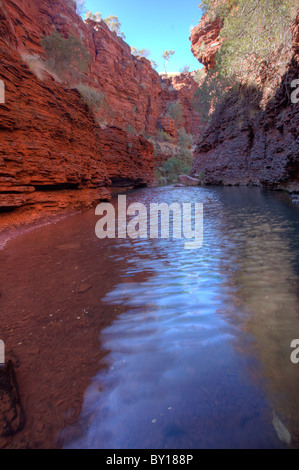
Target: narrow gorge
(252, 138)
(149, 227)
(55, 151)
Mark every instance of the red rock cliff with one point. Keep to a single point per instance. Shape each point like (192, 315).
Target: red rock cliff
(205, 41)
(53, 151)
(243, 145)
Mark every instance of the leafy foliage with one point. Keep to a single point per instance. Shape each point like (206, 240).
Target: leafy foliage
(93, 16)
(167, 56)
(66, 56)
(174, 110)
(181, 162)
(91, 97)
(111, 21)
(140, 52)
(114, 25)
(163, 136)
(185, 140)
(80, 7)
(131, 130)
(255, 36)
(97, 103)
(199, 75)
(154, 64)
(212, 9)
(254, 31)
(211, 92)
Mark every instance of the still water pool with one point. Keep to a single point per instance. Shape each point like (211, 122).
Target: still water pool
(199, 354)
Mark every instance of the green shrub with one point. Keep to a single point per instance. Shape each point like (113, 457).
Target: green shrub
(184, 139)
(199, 75)
(114, 25)
(174, 110)
(92, 97)
(131, 130)
(174, 167)
(146, 135)
(180, 164)
(139, 53)
(211, 93)
(254, 33)
(213, 9)
(200, 49)
(158, 176)
(167, 56)
(256, 36)
(163, 136)
(66, 56)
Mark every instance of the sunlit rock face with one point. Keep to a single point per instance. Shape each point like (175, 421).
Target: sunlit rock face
(205, 41)
(246, 146)
(54, 151)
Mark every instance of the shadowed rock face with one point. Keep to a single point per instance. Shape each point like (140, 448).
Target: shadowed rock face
(53, 151)
(260, 147)
(12, 417)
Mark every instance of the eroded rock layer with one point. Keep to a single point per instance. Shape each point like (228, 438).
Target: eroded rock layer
(54, 151)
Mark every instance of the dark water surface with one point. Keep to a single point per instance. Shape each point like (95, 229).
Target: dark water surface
(200, 355)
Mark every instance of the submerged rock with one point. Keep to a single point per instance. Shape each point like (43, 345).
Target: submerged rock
(12, 418)
(282, 432)
(188, 180)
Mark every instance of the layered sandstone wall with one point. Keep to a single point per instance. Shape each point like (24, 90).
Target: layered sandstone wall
(247, 143)
(54, 151)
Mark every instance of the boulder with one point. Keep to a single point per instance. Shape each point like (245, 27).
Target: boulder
(188, 180)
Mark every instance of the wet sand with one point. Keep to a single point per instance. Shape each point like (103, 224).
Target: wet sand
(51, 332)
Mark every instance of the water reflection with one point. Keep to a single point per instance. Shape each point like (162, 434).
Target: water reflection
(199, 356)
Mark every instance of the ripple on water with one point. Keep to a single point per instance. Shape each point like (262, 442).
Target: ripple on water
(190, 362)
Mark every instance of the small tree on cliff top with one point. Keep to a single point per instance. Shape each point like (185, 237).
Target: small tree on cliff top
(140, 52)
(80, 7)
(154, 64)
(111, 21)
(167, 56)
(93, 16)
(114, 25)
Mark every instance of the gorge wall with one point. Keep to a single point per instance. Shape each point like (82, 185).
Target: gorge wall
(55, 152)
(246, 143)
